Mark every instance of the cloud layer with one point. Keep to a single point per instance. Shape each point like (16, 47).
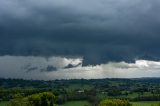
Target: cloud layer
(56, 68)
(79, 39)
(98, 30)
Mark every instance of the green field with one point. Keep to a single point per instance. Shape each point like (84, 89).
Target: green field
(145, 103)
(77, 103)
(3, 103)
(85, 103)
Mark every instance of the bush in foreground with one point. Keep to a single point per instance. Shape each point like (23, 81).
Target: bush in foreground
(115, 103)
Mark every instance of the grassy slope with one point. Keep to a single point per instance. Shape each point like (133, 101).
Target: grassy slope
(85, 103)
(3, 103)
(145, 103)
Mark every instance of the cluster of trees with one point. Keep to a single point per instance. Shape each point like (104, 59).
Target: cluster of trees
(40, 99)
(10, 83)
(147, 98)
(9, 93)
(114, 92)
(115, 103)
(75, 95)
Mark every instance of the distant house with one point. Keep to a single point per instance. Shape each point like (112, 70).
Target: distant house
(80, 91)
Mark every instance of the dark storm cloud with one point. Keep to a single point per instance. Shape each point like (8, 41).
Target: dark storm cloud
(32, 69)
(51, 68)
(98, 30)
(72, 66)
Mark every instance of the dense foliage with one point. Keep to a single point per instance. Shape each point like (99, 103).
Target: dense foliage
(41, 99)
(115, 103)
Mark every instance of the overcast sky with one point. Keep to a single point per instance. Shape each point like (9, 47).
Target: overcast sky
(68, 37)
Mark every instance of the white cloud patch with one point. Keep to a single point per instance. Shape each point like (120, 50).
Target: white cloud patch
(31, 67)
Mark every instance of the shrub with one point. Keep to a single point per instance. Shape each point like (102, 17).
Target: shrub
(115, 103)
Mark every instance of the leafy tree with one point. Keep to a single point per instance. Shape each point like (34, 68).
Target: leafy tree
(114, 103)
(40, 99)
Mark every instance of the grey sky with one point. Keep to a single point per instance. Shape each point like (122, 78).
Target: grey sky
(98, 31)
